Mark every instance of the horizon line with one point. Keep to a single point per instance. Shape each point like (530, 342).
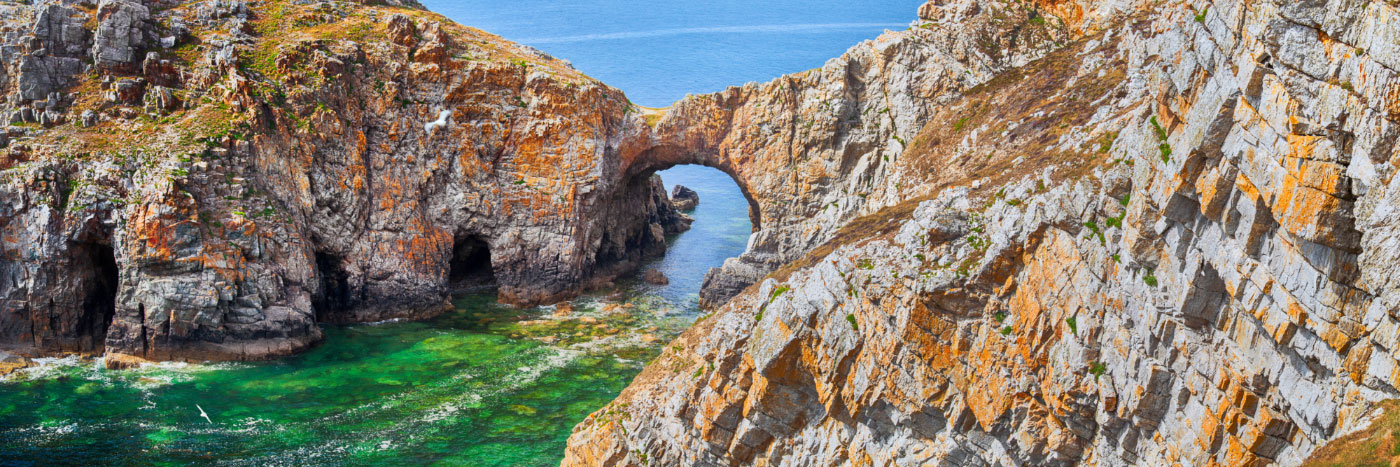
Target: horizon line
(751, 29)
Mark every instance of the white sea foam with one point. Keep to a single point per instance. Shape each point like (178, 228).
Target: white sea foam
(751, 29)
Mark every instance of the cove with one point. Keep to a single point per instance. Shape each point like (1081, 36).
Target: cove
(476, 386)
(484, 384)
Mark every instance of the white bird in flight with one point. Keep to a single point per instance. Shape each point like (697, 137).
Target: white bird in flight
(202, 414)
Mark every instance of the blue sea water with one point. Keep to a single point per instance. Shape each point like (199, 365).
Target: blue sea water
(658, 51)
(483, 385)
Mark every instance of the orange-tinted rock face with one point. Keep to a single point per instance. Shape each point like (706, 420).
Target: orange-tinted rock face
(814, 150)
(328, 164)
(1178, 251)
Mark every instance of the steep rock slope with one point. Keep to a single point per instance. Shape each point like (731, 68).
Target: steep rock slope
(814, 150)
(209, 180)
(1169, 241)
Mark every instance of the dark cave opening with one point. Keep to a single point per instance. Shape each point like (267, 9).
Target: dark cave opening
(335, 285)
(99, 300)
(469, 269)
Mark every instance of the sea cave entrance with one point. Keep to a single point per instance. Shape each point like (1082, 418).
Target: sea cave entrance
(469, 270)
(335, 286)
(98, 279)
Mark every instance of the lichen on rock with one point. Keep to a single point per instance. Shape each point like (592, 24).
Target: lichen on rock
(225, 176)
(1160, 240)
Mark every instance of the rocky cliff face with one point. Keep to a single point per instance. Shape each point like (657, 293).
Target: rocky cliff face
(814, 150)
(211, 180)
(1165, 235)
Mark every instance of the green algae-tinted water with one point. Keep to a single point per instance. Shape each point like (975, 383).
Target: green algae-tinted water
(483, 385)
(472, 387)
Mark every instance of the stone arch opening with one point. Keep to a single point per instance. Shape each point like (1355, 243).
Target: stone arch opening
(98, 279)
(717, 230)
(469, 268)
(663, 157)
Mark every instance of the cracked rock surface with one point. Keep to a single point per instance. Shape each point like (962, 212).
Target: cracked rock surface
(211, 180)
(1169, 240)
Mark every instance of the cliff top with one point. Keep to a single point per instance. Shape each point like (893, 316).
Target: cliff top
(209, 65)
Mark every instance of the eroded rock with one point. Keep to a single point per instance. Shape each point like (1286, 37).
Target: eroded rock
(684, 199)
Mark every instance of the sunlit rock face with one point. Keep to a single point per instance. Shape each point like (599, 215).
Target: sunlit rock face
(212, 180)
(1166, 236)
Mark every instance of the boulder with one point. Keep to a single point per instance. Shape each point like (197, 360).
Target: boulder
(123, 30)
(655, 277)
(684, 199)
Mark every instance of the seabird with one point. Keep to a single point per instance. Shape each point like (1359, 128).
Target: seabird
(202, 414)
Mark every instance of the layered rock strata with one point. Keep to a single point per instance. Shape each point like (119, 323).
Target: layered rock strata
(1169, 241)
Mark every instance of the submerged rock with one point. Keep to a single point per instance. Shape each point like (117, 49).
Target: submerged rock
(655, 277)
(10, 363)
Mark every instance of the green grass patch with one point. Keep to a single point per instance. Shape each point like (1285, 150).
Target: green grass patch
(1097, 369)
(776, 292)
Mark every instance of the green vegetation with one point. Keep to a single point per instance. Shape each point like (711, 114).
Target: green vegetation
(960, 124)
(758, 316)
(1097, 369)
(865, 264)
(1117, 221)
(1150, 279)
(776, 292)
(1377, 444)
(1165, 148)
(1006, 331)
(850, 318)
(1201, 17)
(977, 242)
(1073, 326)
(999, 316)
(1106, 142)
(1094, 231)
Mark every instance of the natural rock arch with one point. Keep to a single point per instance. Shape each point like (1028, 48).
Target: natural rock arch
(666, 156)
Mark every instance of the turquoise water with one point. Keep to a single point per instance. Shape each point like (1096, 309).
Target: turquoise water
(478, 386)
(482, 385)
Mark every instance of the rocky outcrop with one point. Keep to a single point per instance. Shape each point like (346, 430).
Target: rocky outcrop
(814, 150)
(684, 199)
(123, 30)
(297, 164)
(1167, 242)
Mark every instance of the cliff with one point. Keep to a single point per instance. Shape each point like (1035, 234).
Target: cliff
(1163, 235)
(1052, 232)
(211, 180)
